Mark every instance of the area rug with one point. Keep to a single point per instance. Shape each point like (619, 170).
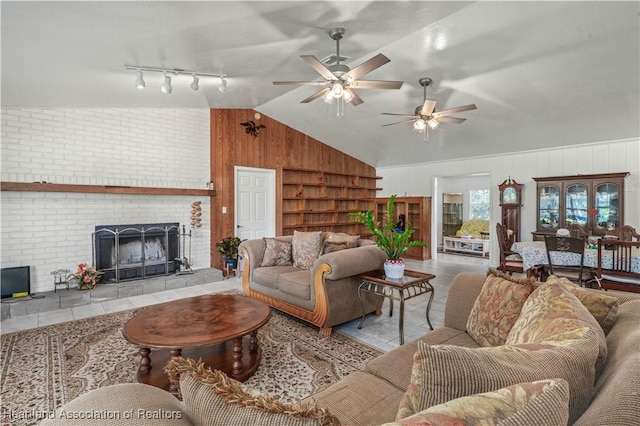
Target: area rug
(46, 367)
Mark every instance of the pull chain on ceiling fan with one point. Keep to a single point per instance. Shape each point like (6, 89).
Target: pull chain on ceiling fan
(339, 79)
(425, 115)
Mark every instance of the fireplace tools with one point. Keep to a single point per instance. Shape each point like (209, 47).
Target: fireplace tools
(182, 265)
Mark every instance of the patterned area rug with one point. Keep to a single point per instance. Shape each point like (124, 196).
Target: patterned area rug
(46, 367)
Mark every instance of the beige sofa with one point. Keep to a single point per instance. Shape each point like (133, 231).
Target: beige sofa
(373, 396)
(325, 295)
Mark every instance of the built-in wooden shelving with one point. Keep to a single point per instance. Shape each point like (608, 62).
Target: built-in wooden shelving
(101, 189)
(314, 200)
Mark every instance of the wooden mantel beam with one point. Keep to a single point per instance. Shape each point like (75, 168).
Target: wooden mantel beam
(101, 189)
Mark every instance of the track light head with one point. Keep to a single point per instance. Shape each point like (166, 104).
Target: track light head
(166, 86)
(223, 85)
(194, 84)
(140, 84)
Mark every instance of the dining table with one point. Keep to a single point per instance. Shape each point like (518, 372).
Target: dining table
(534, 253)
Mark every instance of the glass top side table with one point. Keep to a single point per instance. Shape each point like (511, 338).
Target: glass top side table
(411, 284)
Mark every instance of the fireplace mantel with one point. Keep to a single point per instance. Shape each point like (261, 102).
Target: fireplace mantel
(102, 189)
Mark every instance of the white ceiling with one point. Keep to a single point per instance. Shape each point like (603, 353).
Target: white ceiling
(542, 74)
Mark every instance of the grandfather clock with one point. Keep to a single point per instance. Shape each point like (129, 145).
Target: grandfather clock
(511, 201)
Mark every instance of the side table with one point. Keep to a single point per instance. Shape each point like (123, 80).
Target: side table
(411, 284)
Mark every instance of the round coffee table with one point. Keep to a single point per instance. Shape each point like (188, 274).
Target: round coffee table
(219, 328)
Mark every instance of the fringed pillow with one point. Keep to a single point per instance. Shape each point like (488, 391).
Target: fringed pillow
(212, 398)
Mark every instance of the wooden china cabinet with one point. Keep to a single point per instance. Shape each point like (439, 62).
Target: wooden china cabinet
(416, 210)
(595, 202)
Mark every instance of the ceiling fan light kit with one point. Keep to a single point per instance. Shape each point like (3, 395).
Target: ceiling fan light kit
(339, 79)
(166, 87)
(426, 117)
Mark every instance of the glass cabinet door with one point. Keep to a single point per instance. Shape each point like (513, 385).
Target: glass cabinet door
(549, 206)
(576, 205)
(607, 205)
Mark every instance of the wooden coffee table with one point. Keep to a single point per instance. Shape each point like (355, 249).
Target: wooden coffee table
(221, 329)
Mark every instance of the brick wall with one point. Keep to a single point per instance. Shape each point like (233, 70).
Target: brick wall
(146, 147)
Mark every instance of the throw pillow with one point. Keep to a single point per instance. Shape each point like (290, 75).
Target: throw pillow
(337, 241)
(442, 373)
(554, 316)
(540, 403)
(305, 248)
(276, 252)
(212, 398)
(497, 308)
(603, 307)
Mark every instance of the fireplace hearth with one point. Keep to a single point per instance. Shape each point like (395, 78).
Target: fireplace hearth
(130, 252)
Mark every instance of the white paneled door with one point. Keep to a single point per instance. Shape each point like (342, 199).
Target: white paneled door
(255, 207)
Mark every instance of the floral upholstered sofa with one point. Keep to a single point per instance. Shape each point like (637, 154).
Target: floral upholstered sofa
(474, 228)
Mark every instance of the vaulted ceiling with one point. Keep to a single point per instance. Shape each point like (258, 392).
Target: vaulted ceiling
(542, 74)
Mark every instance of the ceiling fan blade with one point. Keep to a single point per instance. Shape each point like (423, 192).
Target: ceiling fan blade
(400, 115)
(427, 107)
(300, 83)
(366, 67)
(454, 110)
(355, 99)
(315, 96)
(397, 122)
(376, 84)
(319, 67)
(451, 120)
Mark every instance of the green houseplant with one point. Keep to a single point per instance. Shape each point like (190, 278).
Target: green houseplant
(392, 240)
(228, 248)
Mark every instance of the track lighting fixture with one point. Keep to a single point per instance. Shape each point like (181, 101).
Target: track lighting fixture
(194, 84)
(140, 84)
(166, 85)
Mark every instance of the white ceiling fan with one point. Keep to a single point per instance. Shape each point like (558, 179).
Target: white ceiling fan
(426, 115)
(339, 79)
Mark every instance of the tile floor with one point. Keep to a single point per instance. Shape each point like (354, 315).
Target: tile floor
(380, 332)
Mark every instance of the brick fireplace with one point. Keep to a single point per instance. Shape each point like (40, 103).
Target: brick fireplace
(136, 251)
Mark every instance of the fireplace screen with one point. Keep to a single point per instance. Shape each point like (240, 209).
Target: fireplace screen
(126, 252)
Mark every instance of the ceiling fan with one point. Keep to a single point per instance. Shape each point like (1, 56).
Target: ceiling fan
(426, 115)
(339, 79)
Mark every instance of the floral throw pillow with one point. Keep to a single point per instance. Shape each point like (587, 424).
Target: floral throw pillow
(276, 252)
(543, 402)
(603, 307)
(305, 248)
(497, 308)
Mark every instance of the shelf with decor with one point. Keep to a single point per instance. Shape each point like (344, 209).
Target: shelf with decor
(316, 200)
(417, 210)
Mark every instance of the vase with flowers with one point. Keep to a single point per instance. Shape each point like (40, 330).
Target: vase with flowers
(86, 276)
(392, 239)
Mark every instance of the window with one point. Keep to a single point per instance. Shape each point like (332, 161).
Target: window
(480, 204)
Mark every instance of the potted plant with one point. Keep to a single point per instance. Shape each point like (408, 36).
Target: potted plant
(392, 239)
(228, 248)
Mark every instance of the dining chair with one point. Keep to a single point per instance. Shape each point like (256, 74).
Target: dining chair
(562, 265)
(626, 233)
(576, 231)
(510, 261)
(619, 274)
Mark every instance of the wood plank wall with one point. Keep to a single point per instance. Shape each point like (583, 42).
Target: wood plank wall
(276, 146)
